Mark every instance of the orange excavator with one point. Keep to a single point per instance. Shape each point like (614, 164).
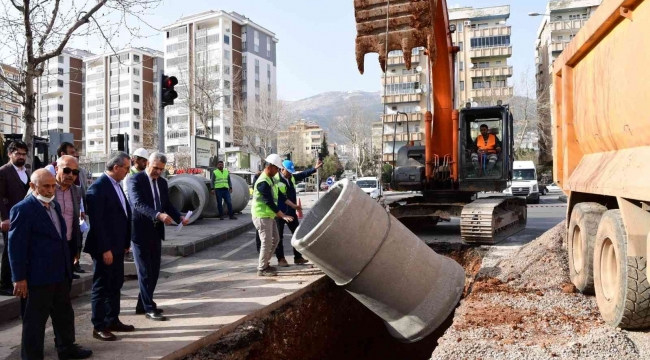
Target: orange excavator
(450, 169)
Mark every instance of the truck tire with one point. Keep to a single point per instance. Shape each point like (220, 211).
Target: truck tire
(622, 290)
(581, 237)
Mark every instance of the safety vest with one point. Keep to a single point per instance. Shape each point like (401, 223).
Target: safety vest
(488, 145)
(282, 188)
(133, 170)
(259, 208)
(221, 179)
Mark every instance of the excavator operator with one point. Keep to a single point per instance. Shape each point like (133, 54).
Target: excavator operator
(487, 146)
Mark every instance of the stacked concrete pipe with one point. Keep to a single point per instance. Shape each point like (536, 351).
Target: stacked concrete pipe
(363, 248)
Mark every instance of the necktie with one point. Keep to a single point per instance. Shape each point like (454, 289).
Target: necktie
(156, 198)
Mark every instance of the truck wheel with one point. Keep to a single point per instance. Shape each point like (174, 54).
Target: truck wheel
(622, 290)
(581, 236)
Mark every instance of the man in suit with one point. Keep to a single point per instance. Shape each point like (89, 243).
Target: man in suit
(152, 210)
(107, 241)
(42, 270)
(14, 183)
(214, 159)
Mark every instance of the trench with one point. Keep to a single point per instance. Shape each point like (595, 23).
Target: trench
(328, 323)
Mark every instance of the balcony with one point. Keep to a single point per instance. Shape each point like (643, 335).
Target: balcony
(99, 147)
(492, 92)
(399, 60)
(491, 71)
(497, 51)
(389, 157)
(95, 135)
(490, 31)
(413, 117)
(392, 99)
(567, 25)
(414, 136)
(400, 79)
(559, 46)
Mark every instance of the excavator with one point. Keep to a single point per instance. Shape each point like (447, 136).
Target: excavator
(447, 172)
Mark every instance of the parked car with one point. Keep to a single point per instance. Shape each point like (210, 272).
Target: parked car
(553, 188)
(370, 186)
(324, 186)
(302, 187)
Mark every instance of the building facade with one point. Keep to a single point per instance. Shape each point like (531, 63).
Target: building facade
(302, 140)
(482, 69)
(59, 105)
(121, 99)
(560, 23)
(11, 111)
(225, 61)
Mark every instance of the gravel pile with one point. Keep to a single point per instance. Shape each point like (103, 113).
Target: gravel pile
(523, 306)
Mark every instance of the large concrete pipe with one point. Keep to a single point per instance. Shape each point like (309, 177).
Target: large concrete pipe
(240, 193)
(363, 248)
(210, 210)
(188, 192)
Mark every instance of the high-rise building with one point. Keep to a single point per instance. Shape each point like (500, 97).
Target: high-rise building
(10, 108)
(560, 23)
(121, 99)
(59, 105)
(226, 65)
(303, 140)
(482, 63)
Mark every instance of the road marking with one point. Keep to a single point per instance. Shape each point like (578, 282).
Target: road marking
(238, 249)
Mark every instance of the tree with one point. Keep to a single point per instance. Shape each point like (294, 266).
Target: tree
(150, 124)
(355, 125)
(332, 166)
(324, 151)
(257, 123)
(37, 31)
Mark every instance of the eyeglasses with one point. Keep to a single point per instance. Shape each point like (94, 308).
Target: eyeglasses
(22, 154)
(67, 171)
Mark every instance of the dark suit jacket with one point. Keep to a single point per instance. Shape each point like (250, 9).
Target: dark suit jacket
(110, 227)
(37, 253)
(145, 225)
(76, 199)
(12, 189)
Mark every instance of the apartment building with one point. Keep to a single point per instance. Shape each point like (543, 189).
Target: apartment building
(483, 36)
(11, 111)
(224, 56)
(121, 99)
(59, 105)
(560, 23)
(303, 140)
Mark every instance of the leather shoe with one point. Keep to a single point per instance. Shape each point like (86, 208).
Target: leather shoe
(142, 312)
(75, 276)
(75, 351)
(78, 269)
(118, 326)
(155, 316)
(104, 335)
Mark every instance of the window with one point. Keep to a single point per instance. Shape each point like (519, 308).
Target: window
(136, 58)
(498, 62)
(226, 69)
(60, 71)
(243, 59)
(136, 111)
(226, 100)
(462, 86)
(60, 59)
(217, 129)
(136, 98)
(460, 27)
(177, 47)
(477, 84)
(136, 125)
(136, 85)
(60, 119)
(460, 45)
(560, 38)
(226, 39)
(462, 66)
(226, 84)
(490, 41)
(256, 40)
(60, 107)
(136, 72)
(500, 83)
(226, 54)
(136, 138)
(226, 130)
(177, 32)
(60, 83)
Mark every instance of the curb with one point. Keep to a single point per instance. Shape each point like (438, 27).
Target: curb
(206, 242)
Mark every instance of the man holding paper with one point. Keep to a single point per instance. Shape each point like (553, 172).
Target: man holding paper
(152, 210)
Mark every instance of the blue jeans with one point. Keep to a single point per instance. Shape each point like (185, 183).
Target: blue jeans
(223, 195)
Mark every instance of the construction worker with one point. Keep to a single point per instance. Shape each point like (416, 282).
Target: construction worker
(222, 189)
(139, 160)
(287, 203)
(265, 209)
(486, 145)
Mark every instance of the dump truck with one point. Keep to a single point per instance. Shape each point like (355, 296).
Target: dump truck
(601, 158)
(444, 171)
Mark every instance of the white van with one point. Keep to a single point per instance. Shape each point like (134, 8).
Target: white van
(524, 182)
(370, 186)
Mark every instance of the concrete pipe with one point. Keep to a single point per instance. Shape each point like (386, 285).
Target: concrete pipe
(240, 193)
(188, 192)
(363, 248)
(210, 210)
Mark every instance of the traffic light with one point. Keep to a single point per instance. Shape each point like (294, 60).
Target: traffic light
(167, 92)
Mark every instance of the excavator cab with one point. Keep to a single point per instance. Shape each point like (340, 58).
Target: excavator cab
(486, 157)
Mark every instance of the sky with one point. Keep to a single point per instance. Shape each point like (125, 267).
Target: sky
(315, 53)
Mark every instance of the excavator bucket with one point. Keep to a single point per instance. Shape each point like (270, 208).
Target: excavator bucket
(402, 24)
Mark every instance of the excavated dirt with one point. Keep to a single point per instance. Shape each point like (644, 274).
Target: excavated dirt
(525, 307)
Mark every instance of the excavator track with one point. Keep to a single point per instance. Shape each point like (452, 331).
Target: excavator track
(491, 220)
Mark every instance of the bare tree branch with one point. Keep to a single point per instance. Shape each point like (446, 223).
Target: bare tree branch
(55, 12)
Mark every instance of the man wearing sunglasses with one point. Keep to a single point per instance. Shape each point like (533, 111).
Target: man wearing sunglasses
(68, 195)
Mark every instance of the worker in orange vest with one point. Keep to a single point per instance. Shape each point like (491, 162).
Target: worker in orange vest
(486, 145)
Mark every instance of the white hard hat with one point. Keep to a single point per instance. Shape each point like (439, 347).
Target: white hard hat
(275, 160)
(141, 152)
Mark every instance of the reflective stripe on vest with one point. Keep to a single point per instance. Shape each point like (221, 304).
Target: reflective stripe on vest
(259, 208)
(488, 145)
(221, 179)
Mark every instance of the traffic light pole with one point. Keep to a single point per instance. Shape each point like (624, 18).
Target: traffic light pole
(161, 115)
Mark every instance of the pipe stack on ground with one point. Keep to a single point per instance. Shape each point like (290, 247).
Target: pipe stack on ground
(363, 248)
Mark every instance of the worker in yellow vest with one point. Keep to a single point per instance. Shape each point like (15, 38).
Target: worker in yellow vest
(222, 189)
(265, 209)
